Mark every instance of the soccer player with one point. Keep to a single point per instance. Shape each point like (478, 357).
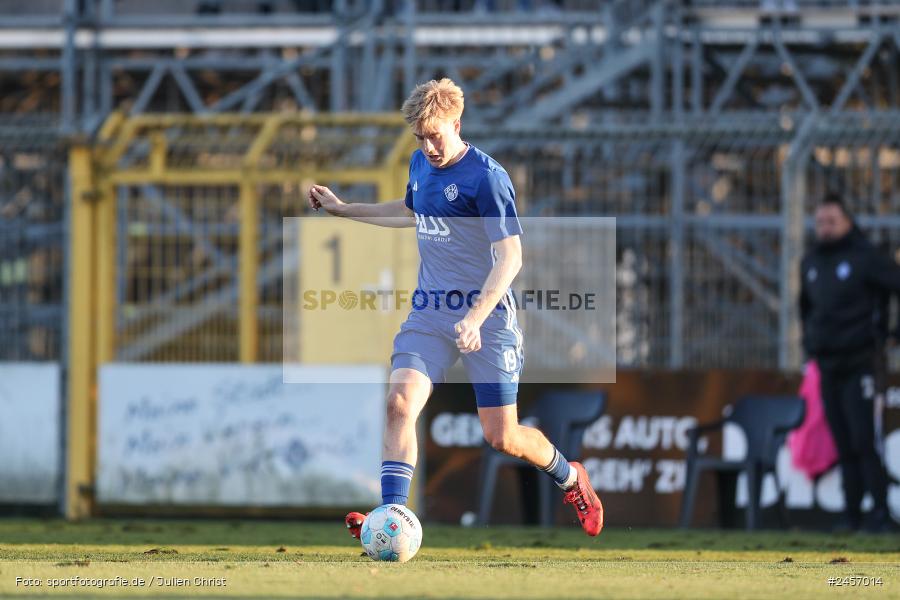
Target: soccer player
(462, 203)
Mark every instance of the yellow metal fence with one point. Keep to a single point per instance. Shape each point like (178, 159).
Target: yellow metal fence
(175, 245)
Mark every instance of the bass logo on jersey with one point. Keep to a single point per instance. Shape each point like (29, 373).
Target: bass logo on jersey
(451, 191)
(432, 225)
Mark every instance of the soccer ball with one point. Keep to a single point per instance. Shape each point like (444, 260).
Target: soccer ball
(391, 532)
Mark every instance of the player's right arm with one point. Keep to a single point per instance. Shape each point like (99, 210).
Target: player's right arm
(385, 214)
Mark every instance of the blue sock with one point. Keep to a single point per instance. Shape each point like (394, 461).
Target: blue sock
(395, 479)
(560, 470)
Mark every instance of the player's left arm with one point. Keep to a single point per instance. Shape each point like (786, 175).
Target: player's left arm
(495, 200)
(509, 261)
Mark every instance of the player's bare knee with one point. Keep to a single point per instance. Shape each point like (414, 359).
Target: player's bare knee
(399, 407)
(502, 440)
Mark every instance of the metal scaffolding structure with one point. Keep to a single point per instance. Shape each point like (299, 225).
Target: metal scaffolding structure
(77, 60)
(708, 129)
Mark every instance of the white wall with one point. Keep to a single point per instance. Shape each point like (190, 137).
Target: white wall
(227, 434)
(30, 423)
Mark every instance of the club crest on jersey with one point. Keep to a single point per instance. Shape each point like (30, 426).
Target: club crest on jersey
(451, 192)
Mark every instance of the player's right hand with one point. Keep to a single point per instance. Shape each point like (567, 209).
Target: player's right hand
(321, 197)
(469, 339)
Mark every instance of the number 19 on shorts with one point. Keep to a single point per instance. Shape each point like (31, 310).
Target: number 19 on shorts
(511, 359)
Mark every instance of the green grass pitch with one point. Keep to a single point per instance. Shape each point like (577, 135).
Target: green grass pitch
(283, 559)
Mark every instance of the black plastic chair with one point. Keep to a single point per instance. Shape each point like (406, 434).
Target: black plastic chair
(563, 417)
(765, 420)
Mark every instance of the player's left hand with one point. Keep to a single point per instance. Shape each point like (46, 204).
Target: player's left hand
(469, 339)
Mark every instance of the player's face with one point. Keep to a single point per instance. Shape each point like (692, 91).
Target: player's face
(440, 142)
(831, 223)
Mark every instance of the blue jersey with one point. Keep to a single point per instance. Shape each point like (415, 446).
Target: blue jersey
(460, 210)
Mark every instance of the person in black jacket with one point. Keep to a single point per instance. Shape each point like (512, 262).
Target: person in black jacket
(844, 280)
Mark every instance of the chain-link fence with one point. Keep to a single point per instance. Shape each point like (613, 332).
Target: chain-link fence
(198, 207)
(32, 243)
(700, 230)
(177, 286)
(701, 221)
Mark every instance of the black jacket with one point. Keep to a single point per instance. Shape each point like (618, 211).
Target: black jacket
(843, 286)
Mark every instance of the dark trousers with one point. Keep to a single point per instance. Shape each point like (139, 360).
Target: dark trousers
(848, 397)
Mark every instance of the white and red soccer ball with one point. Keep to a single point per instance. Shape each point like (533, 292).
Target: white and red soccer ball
(391, 532)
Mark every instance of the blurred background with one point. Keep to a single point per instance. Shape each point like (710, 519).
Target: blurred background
(149, 152)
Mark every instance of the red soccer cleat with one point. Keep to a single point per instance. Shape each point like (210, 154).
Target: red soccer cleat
(354, 521)
(587, 503)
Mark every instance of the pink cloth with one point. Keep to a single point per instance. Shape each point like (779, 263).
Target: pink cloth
(811, 445)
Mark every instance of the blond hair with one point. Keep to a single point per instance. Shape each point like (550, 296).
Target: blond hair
(433, 101)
